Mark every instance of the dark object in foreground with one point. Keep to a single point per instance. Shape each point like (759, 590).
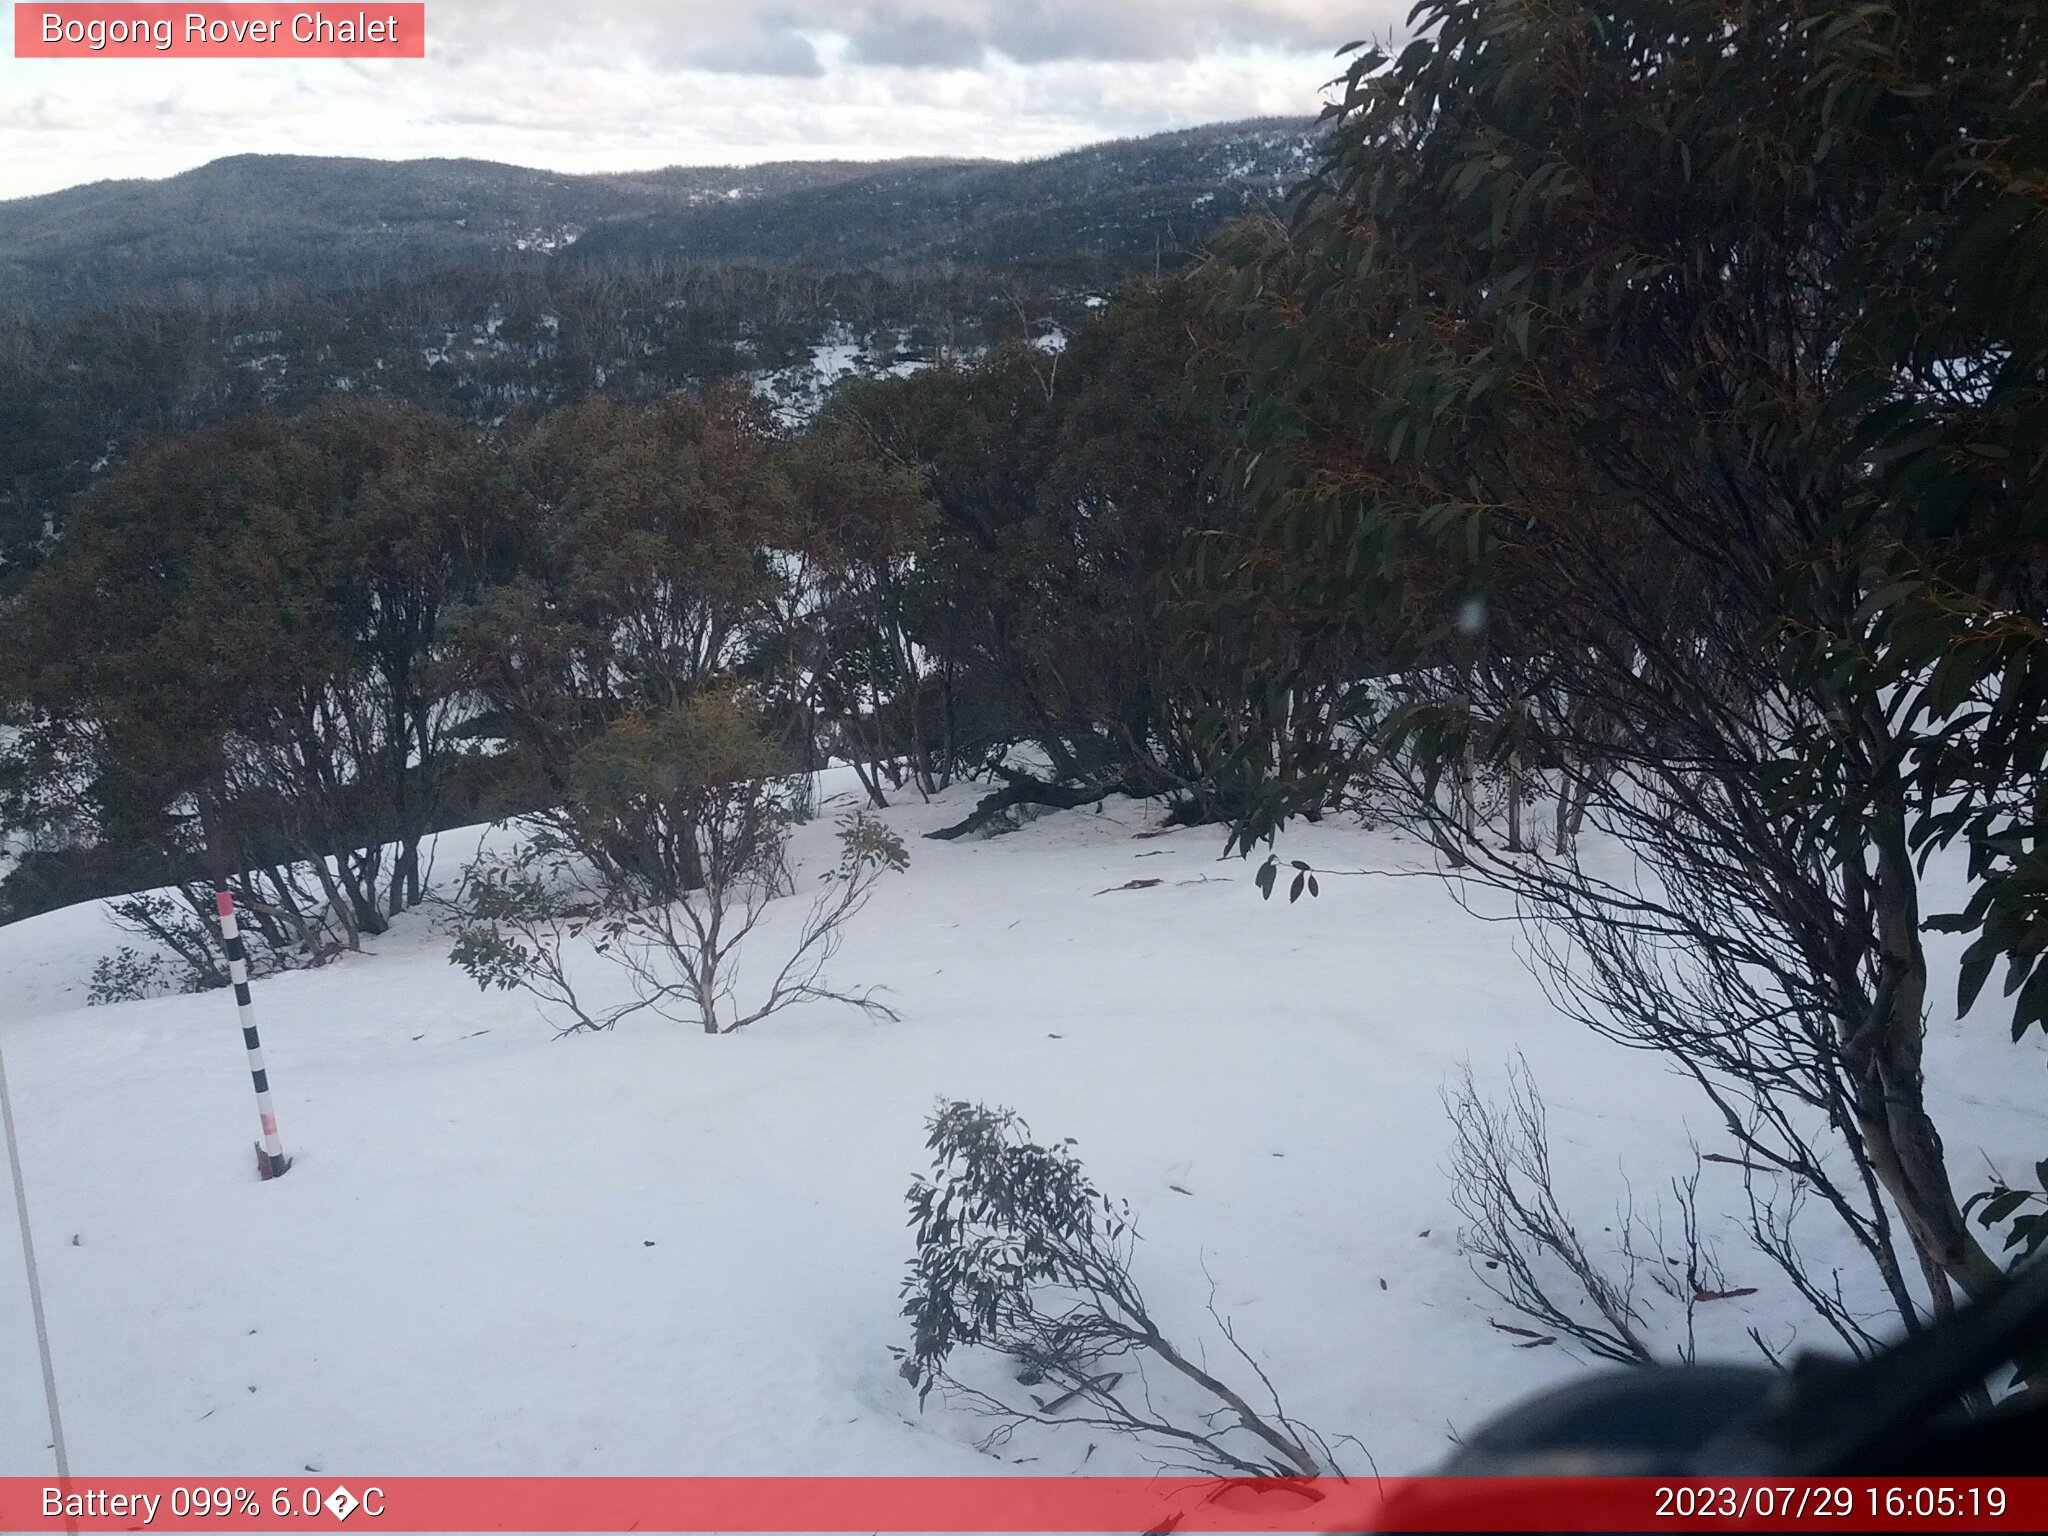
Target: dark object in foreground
(267, 1167)
(1899, 1414)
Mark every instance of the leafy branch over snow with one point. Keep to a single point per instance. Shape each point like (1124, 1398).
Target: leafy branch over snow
(1019, 1253)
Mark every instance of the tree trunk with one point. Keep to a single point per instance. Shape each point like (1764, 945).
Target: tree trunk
(866, 775)
(1515, 803)
(1883, 1054)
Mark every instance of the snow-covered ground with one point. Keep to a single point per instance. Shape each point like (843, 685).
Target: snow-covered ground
(656, 1252)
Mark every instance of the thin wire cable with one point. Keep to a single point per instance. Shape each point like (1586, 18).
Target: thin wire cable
(35, 1284)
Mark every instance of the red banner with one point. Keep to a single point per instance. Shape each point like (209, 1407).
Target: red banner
(1017, 1504)
(217, 31)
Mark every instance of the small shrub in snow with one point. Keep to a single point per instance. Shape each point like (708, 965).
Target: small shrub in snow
(511, 922)
(1018, 1253)
(183, 937)
(686, 953)
(282, 927)
(1528, 1252)
(674, 826)
(126, 976)
(683, 816)
(516, 917)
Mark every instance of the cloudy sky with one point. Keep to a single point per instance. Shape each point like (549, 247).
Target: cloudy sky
(632, 84)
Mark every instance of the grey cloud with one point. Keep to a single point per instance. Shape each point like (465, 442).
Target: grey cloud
(1043, 33)
(765, 50)
(962, 35)
(887, 35)
(728, 37)
(774, 37)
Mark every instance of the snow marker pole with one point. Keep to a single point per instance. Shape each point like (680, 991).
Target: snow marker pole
(270, 1159)
(35, 1289)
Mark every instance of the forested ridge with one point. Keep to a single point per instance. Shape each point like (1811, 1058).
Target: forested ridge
(268, 283)
(250, 225)
(480, 344)
(1633, 431)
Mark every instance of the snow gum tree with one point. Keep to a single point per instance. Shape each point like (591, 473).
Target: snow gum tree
(858, 661)
(232, 667)
(623, 673)
(1666, 379)
(648, 575)
(1063, 490)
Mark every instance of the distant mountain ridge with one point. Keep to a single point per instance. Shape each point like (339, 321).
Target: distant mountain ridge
(1129, 198)
(252, 223)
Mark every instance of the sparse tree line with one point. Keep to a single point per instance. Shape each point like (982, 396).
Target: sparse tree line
(1638, 437)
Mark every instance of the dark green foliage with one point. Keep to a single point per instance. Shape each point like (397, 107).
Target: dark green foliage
(2028, 1229)
(678, 798)
(498, 908)
(1065, 489)
(636, 670)
(79, 392)
(513, 917)
(1657, 385)
(851, 653)
(1304, 880)
(1000, 1218)
(261, 687)
(647, 579)
(129, 309)
(866, 842)
(125, 976)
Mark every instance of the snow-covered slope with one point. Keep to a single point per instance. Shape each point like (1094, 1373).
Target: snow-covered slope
(656, 1252)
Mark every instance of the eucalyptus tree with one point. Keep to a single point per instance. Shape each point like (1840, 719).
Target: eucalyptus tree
(232, 660)
(1660, 382)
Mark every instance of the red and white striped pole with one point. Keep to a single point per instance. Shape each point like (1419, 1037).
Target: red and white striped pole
(270, 1159)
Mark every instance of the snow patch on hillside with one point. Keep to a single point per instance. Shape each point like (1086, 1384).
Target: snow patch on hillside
(798, 391)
